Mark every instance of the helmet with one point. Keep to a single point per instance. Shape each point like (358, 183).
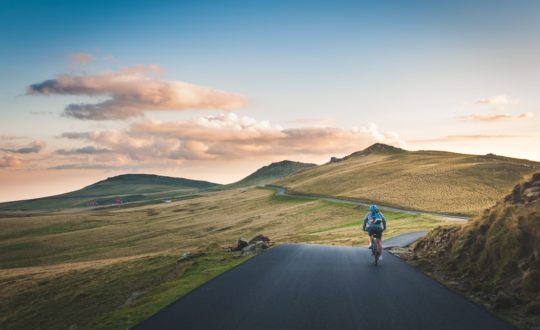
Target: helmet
(373, 208)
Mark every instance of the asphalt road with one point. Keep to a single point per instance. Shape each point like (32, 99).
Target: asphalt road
(322, 287)
(403, 240)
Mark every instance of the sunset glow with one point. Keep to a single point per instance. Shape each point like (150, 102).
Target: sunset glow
(213, 91)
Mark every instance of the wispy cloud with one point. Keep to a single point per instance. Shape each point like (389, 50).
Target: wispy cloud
(41, 113)
(89, 150)
(133, 91)
(499, 102)
(493, 118)
(81, 58)
(73, 135)
(10, 137)
(81, 166)
(228, 136)
(34, 147)
(10, 161)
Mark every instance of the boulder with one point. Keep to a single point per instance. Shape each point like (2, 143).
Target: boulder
(249, 249)
(259, 238)
(242, 243)
(184, 256)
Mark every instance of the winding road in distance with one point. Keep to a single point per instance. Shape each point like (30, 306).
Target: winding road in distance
(302, 286)
(281, 191)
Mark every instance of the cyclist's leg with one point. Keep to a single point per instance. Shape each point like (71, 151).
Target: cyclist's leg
(379, 242)
(370, 237)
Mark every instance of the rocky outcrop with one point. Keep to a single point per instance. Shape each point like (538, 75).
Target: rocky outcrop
(259, 238)
(254, 245)
(242, 243)
(335, 160)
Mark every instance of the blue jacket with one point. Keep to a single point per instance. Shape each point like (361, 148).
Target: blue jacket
(369, 221)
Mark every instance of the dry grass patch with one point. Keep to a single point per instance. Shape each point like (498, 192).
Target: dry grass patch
(495, 259)
(423, 180)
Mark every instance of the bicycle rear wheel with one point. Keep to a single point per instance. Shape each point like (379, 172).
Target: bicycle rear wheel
(375, 250)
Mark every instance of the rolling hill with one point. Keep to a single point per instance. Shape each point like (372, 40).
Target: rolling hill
(495, 259)
(432, 181)
(270, 173)
(119, 189)
(130, 188)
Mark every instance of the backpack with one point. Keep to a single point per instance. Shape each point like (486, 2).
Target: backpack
(377, 218)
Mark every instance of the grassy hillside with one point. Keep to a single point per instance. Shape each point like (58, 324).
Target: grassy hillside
(111, 268)
(128, 188)
(496, 258)
(271, 173)
(425, 180)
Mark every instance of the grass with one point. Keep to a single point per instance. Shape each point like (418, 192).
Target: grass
(144, 188)
(197, 273)
(348, 230)
(129, 187)
(115, 296)
(113, 268)
(270, 173)
(495, 259)
(421, 180)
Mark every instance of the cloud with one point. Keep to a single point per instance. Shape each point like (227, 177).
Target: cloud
(496, 118)
(82, 166)
(499, 101)
(10, 137)
(74, 135)
(494, 100)
(10, 161)
(34, 147)
(38, 113)
(81, 58)
(229, 137)
(133, 91)
(89, 150)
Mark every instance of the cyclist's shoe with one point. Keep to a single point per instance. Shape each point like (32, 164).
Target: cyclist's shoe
(380, 257)
(369, 247)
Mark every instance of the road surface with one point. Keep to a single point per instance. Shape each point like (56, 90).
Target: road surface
(301, 286)
(403, 240)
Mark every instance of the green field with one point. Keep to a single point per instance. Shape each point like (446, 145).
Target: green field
(112, 268)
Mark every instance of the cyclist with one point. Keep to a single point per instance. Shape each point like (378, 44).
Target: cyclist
(375, 223)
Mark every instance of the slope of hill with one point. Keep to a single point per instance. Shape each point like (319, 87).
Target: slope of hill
(496, 258)
(271, 173)
(433, 181)
(119, 189)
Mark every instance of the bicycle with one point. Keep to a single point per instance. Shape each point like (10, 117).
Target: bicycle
(375, 249)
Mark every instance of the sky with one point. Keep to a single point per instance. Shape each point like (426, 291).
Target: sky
(214, 90)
